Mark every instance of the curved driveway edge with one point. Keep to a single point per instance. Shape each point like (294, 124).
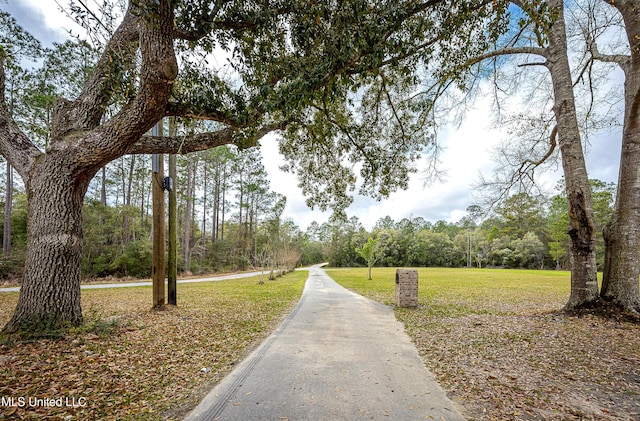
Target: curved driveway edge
(337, 356)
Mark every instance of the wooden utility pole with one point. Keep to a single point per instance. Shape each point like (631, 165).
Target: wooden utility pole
(173, 223)
(157, 194)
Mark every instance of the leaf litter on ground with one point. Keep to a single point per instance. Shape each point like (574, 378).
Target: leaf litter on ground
(132, 363)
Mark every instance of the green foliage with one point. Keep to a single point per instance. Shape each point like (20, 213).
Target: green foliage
(343, 239)
(521, 213)
(369, 252)
(603, 199)
(340, 74)
(312, 252)
(12, 266)
(16, 43)
(135, 261)
(557, 228)
(525, 233)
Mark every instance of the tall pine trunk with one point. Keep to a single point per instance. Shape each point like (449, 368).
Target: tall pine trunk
(8, 205)
(126, 231)
(188, 215)
(216, 207)
(204, 203)
(584, 284)
(622, 236)
(50, 293)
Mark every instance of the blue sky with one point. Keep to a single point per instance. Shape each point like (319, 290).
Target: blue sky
(467, 148)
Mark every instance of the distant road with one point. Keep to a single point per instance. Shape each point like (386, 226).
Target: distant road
(150, 283)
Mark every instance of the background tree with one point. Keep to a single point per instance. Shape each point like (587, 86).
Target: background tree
(557, 227)
(594, 25)
(369, 252)
(17, 45)
(542, 35)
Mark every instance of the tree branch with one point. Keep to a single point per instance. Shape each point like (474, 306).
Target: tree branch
(200, 141)
(619, 59)
(391, 104)
(182, 144)
(537, 63)
(507, 52)
(87, 110)
(181, 109)
(592, 45)
(552, 147)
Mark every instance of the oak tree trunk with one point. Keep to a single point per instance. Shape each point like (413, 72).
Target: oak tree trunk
(57, 179)
(584, 284)
(50, 293)
(622, 236)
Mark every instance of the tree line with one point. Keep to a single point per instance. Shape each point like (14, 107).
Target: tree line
(523, 232)
(228, 218)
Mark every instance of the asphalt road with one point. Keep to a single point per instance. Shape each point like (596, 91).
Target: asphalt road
(149, 283)
(338, 356)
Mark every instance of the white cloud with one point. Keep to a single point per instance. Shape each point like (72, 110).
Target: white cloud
(42, 18)
(466, 153)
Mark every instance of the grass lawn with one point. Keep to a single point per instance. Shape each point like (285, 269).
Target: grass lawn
(131, 363)
(497, 341)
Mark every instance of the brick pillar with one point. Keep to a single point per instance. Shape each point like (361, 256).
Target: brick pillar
(406, 288)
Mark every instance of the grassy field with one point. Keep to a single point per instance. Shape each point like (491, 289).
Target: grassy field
(499, 344)
(131, 363)
(445, 291)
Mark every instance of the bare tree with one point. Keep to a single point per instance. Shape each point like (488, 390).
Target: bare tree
(542, 42)
(622, 238)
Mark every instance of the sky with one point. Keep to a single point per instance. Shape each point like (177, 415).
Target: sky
(467, 149)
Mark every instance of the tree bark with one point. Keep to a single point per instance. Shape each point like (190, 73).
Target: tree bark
(622, 236)
(584, 284)
(50, 293)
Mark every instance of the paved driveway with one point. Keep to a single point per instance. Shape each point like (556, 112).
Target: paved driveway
(338, 356)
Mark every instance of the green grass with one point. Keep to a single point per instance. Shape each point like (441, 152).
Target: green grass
(446, 291)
